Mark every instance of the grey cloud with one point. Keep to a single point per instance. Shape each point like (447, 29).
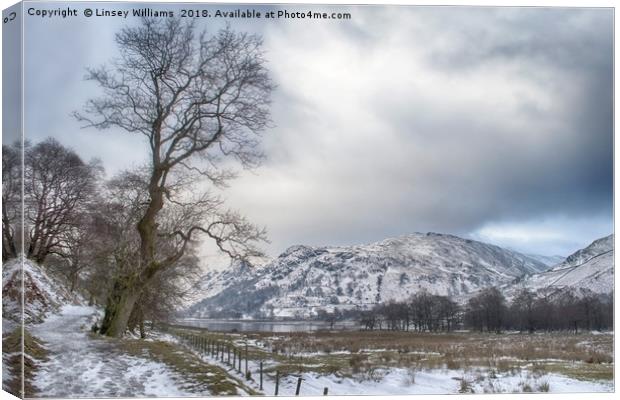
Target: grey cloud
(402, 119)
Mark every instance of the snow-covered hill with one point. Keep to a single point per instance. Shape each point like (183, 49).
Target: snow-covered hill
(549, 261)
(591, 268)
(42, 293)
(304, 279)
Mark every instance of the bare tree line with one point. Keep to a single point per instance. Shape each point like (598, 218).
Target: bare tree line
(489, 311)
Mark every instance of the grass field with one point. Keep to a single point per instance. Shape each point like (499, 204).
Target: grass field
(366, 355)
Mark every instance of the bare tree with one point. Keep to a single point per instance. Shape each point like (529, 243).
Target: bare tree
(487, 310)
(57, 186)
(196, 100)
(11, 199)
(523, 310)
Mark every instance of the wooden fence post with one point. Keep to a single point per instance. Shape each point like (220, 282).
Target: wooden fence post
(298, 386)
(246, 361)
(325, 391)
(277, 382)
(261, 375)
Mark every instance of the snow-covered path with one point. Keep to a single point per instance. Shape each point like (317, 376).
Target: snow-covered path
(79, 366)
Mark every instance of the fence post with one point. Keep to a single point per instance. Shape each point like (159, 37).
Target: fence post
(261, 375)
(239, 369)
(277, 382)
(298, 386)
(228, 359)
(246, 361)
(325, 391)
(234, 363)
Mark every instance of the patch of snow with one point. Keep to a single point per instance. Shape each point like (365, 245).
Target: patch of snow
(79, 366)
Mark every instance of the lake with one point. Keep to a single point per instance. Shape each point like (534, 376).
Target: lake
(226, 325)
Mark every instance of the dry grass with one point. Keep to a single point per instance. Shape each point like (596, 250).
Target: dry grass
(34, 352)
(199, 377)
(366, 353)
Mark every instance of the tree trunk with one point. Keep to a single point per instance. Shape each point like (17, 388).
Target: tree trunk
(9, 250)
(142, 330)
(74, 281)
(119, 306)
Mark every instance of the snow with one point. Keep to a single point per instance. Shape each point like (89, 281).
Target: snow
(304, 278)
(80, 366)
(42, 296)
(591, 268)
(403, 381)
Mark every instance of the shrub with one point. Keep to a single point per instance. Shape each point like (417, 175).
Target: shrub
(465, 386)
(543, 387)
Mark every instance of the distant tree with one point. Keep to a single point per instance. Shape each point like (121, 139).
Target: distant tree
(422, 309)
(545, 314)
(523, 310)
(11, 199)
(368, 319)
(487, 310)
(448, 312)
(196, 100)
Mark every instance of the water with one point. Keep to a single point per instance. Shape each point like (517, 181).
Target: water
(225, 325)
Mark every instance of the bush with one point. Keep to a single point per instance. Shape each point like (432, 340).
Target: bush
(543, 387)
(465, 386)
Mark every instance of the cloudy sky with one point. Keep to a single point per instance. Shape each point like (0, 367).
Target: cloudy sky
(488, 123)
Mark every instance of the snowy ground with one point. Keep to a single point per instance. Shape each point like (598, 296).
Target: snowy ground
(394, 381)
(80, 366)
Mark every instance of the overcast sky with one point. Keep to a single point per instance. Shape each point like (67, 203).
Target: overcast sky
(489, 123)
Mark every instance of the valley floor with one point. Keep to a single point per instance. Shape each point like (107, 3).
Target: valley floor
(383, 363)
(178, 362)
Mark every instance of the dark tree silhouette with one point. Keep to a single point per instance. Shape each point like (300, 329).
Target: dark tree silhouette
(487, 310)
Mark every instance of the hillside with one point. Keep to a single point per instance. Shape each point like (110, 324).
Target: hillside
(42, 293)
(304, 278)
(591, 268)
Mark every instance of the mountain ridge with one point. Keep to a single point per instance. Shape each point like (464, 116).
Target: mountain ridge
(304, 278)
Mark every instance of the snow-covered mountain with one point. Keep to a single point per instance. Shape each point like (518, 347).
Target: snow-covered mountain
(304, 279)
(591, 268)
(549, 261)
